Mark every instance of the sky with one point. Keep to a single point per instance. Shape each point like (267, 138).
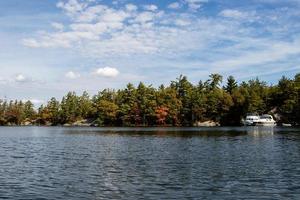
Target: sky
(50, 47)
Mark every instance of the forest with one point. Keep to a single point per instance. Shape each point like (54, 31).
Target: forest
(181, 103)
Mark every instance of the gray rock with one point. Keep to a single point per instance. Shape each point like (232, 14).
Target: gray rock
(207, 124)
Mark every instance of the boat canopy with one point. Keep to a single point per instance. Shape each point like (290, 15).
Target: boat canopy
(266, 117)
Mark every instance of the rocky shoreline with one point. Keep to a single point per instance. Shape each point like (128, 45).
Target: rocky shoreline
(92, 123)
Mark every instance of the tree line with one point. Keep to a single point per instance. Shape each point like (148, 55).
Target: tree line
(181, 103)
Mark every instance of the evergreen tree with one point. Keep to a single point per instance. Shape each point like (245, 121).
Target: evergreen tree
(231, 85)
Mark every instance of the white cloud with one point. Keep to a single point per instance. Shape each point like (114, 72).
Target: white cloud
(21, 78)
(145, 17)
(101, 31)
(71, 7)
(59, 39)
(151, 7)
(114, 16)
(106, 30)
(195, 4)
(232, 14)
(174, 5)
(90, 14)
(72, 75)
(108, 72)
(182, 22)
(131, 7)
(120, 32)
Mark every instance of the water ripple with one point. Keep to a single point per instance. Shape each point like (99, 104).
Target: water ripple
(81, 163)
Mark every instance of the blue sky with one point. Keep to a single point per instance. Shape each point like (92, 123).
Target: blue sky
(49, 47)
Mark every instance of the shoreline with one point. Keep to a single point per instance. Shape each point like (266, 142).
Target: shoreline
(146, 127)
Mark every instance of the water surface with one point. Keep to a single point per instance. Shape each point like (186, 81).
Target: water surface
(151, 163)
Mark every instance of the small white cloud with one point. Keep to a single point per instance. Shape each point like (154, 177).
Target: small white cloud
(182, 22)
(131, 7)
(195, 4)
(108, 72)
(20, 78)
(145, 17)
(174, 5)
(72, 75)
(150, 7)
(232, 14)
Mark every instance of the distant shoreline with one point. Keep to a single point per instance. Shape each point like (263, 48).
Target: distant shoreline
(179, 104)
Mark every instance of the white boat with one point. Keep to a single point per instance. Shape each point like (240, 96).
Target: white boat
(286, 125)
(249, 120)
(265, 120)
(255, 120)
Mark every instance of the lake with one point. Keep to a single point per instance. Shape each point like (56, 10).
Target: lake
(149, 163)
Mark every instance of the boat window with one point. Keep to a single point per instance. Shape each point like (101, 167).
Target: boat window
(266, 117)
(251, 117)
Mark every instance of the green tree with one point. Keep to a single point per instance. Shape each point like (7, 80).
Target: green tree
(29, 110)
(215, 81)
(51, 113)
(106, 112)
(128, 110)
(231, 85)
(167, 98)
(146, 103)
(86, 109)
(70, 110)
(184, 93)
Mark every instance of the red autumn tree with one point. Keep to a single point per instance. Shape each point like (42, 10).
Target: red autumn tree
(161, 115)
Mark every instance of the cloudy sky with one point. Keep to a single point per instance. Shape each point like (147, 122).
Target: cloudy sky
(49, 47)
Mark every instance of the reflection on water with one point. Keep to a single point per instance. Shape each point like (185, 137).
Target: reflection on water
(260, 131)
(180, 132)
(150, 163)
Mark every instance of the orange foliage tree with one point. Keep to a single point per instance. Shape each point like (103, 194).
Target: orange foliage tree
(161, 115)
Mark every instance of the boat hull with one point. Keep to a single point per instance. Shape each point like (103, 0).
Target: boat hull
(264, 124)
